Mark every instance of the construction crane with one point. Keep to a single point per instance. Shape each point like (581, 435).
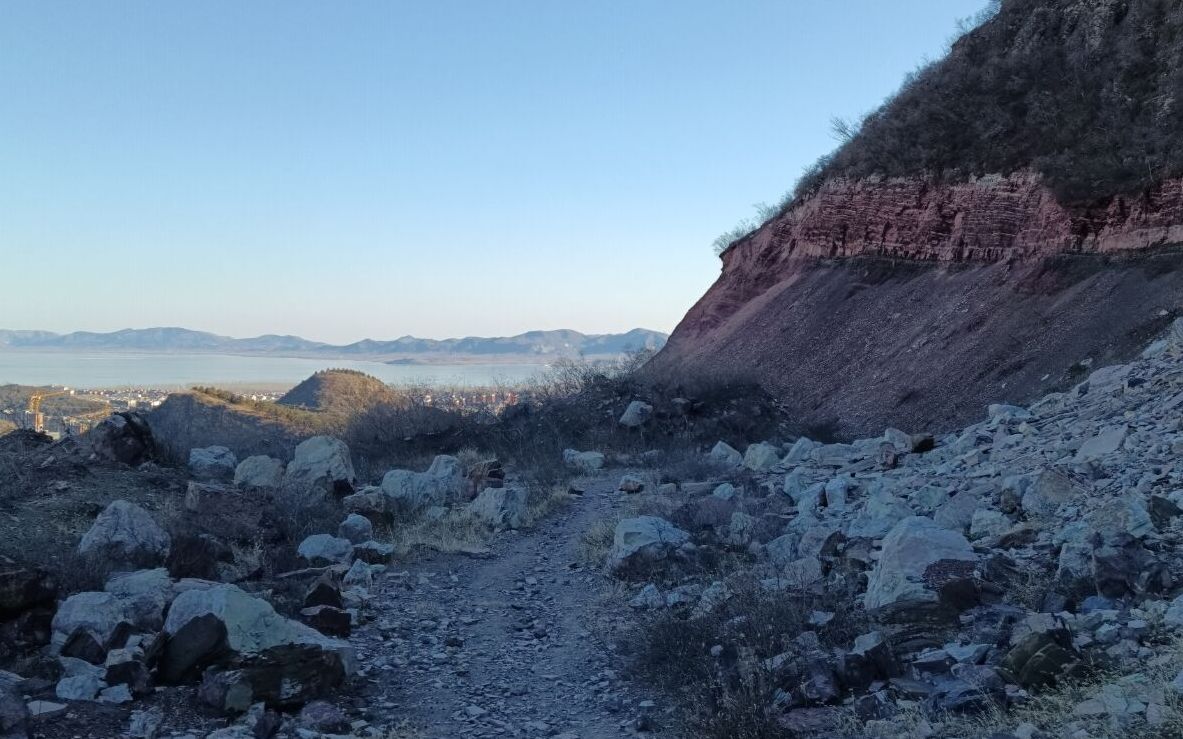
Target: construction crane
(35, 406)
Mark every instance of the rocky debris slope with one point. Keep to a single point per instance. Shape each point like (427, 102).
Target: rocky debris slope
(1039, 547)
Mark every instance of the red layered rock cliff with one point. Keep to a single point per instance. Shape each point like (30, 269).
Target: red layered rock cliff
(902, 302)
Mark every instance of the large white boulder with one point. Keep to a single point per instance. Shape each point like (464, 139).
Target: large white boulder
(321, 467)
(442, 484)
(259, 472)
(919, 557)
(124, 536)
(502, 507)
(642, 541)
(204, 625)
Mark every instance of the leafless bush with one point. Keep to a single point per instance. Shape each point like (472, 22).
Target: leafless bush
(728, 694)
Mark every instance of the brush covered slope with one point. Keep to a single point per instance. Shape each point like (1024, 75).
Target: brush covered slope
(1012, 216)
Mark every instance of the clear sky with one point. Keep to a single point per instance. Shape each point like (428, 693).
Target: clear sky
(352, 169)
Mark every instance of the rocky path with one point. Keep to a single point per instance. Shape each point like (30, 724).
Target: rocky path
(501, 645)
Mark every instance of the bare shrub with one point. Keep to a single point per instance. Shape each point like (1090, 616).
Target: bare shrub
(728, 695)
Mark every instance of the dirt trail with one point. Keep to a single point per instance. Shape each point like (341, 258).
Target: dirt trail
(500, 646)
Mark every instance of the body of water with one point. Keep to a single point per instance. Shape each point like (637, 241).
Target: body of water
(105, 369)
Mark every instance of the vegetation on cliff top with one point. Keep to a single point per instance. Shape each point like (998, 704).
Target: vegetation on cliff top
(1087, 93)
(1084, 92)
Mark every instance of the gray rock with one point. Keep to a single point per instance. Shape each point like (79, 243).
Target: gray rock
(643, 541)
(326, 549)
(1046, 493)
(143, 596)
(918, 558)
(259, 472)
(881, 513)
(957, 513)
(79, 688)
(1106, 442)
(636, 415)
(98, 614)
(124, 536)
(783, 549)
(356, 529)
(360, 575)
(320, 468)
(648, 598)
(502, 507)
(442, 484)
(585, 462)
(246, 626)
(799, 451)
(761, 457)
(145, 724)
(725, 455)
(987, 522)
(212, 463)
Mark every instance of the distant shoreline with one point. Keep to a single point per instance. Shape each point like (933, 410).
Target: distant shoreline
(414, 360)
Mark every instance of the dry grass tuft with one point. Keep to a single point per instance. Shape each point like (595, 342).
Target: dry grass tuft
(1146, 682)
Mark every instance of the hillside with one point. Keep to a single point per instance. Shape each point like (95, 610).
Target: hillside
(532, 344)
(952, 253)
(338, 391)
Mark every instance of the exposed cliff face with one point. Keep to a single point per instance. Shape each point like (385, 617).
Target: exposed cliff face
(900, 302)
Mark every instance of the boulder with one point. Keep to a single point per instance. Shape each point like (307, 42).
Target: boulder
(360, 575)
(441, 485)
(143, 596)
(957, 513)
(325, 549)
(224, 624)
(92, 613)
(641, 542)
(725, 455)
(922, 573)
(369, 501)
(1106, 441)
(761, 457)
(1040, 654)
(1046, 492)
(124, 438)
(506, 507)
(321, 467)
(259, 472)
(881, 513)
(986, 522)
(637, 413)
(356, 529)
(283, 677)
(212, 463)
(124, 536)
(585, 462)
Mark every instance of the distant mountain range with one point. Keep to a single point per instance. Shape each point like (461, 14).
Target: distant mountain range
(532, 344)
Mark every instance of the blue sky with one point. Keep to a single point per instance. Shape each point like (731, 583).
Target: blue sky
(340, 170)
